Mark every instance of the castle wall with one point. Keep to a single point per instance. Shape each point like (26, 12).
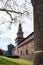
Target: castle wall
(26, 48)
(29, 54)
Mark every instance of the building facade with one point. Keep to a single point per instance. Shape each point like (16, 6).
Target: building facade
(24, 46)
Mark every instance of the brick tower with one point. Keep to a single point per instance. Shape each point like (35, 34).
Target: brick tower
(19, 34)
(10, 47)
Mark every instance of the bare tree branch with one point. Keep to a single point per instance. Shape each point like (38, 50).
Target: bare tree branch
(19, 13)
(10, 15)
(10, 11)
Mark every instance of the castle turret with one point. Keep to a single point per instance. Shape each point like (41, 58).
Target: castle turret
(19, 34)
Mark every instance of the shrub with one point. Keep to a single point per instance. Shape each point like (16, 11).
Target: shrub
(1, 52)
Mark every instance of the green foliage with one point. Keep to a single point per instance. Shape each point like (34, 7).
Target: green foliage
(1, 52)
(10, 61)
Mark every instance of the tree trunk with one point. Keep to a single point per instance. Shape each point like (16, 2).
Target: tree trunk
(38, 31)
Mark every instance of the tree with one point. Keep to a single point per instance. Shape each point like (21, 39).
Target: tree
(38, 31)
(15, 11)
(1, 52)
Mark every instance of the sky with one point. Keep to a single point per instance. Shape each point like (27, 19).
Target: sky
(8, 36)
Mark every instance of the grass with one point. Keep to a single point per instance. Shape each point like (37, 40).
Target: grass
(10, 61)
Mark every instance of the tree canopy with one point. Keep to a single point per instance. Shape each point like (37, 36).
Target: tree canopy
(1, 52)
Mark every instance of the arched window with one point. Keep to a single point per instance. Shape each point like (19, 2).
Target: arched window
(26, 51)
(21, 52)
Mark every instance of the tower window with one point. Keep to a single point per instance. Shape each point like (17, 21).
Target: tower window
(26, 51)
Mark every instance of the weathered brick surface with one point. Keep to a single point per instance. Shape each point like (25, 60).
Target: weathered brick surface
(30, 47)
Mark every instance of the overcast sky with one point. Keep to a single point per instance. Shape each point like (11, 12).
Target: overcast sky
(8, 36)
